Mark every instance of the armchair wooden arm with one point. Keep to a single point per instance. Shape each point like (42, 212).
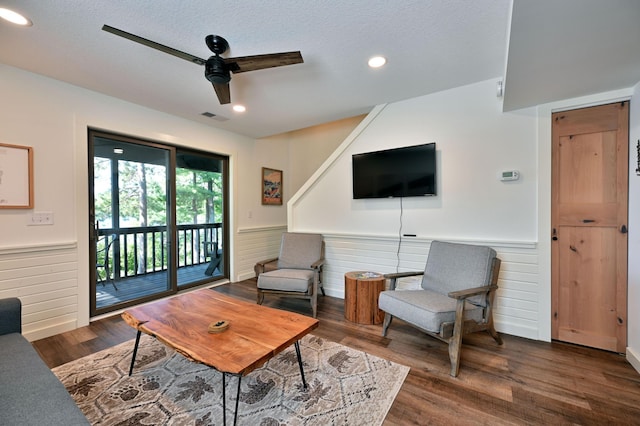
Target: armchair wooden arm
(403, 274)
(394, 276)
(317, 264)
(463, 294)
(259, 267)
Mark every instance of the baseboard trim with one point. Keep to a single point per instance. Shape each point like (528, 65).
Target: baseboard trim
(516, 330)
(246, 276)
(49, 331)
(633, 358)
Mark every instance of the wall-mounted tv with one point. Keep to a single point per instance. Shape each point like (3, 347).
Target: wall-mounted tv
(401, 172)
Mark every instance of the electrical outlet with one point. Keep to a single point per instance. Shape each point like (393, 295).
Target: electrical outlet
(40, 218)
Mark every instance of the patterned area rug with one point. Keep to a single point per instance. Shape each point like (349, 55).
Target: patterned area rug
(345, 386)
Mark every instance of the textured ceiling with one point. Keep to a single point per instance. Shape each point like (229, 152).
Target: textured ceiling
(431, 45)
(570, 48)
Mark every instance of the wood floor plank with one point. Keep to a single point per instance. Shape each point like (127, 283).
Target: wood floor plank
(521, 382)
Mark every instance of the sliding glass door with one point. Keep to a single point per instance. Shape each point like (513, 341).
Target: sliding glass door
(157, 220)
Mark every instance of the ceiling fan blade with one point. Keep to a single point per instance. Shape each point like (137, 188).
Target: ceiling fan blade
(223, 92)
(154, 45)
(259, 62)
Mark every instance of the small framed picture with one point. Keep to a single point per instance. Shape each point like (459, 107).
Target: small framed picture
(271, 186)
(16, 177)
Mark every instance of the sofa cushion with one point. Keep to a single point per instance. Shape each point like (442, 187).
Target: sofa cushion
(286, 280)
(30, 393)
(425, 309)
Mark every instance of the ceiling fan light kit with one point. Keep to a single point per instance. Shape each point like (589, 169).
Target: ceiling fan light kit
(217, 69)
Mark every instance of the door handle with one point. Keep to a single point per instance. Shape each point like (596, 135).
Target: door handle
(588, 220)
(554, 236)
(623, 229)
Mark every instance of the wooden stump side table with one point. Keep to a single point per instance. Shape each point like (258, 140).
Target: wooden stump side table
(361, 290)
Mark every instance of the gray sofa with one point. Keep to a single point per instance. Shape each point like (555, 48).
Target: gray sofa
(30, 394)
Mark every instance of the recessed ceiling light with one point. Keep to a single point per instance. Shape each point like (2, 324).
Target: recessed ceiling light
(377, 61)
(239, 108)
(14, 17)
(118, 151)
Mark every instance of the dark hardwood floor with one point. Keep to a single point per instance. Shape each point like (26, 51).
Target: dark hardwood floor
(521, 382)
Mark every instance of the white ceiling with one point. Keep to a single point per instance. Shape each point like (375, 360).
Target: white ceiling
(555, 51)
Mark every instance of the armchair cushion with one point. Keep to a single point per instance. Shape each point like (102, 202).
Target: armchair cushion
(287, 280)
(425, 309)
(299, 250)
(451, 267)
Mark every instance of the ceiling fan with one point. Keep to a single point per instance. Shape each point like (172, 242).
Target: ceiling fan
(217, 69)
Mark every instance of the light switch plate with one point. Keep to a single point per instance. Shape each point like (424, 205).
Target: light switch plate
(40, 218)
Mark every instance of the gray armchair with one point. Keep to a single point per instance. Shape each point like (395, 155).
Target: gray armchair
(456, 296)
(296, 272)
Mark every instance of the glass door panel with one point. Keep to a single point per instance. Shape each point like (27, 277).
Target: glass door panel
(131, 216)
(199, 217)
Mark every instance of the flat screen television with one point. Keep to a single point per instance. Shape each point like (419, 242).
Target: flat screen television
(400, 172)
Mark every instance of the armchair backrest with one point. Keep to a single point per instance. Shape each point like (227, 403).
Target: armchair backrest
(452, 267)
(299, 250)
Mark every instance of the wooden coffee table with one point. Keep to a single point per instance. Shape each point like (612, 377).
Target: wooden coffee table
(256, 333)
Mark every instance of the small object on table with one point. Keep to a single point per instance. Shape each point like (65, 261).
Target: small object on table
(218, 326)
(361, 290)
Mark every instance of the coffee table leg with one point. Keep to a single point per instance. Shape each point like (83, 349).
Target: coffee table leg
(235, 416)
(297, 345)
(135, 351)
(224, 400)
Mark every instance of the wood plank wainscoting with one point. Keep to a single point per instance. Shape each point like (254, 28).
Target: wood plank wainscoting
(517, 309)
(45, 278)
(521, 382)
(256, 244)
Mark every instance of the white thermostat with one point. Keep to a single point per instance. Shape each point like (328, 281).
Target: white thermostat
(509, 175)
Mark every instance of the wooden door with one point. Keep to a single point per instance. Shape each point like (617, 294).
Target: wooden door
(589, 226)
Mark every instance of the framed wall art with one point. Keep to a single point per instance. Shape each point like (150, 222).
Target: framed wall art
(271, 186)
(16, 177)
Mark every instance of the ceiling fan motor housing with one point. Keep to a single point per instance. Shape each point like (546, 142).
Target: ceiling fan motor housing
(216, 71)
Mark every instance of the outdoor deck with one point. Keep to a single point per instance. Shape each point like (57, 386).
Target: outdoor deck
(135, 287)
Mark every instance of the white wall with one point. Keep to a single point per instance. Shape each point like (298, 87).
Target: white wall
(52, 117)
(310, 147)
(475, 141)
(633, 318)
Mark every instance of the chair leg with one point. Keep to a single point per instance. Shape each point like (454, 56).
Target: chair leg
(455, 342)
(387, 321)
(314, 304)
(492, 331)
(260, 297)
(107, 275)
(455, 347)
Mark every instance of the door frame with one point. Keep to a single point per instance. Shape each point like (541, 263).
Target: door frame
(171, 222)
(622, 173)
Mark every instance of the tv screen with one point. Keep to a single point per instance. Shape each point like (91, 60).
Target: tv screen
(401, 172)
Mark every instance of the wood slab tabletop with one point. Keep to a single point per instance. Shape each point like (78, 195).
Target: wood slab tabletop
(256, 333)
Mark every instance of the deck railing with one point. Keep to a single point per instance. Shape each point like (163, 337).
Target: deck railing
(143, 250)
